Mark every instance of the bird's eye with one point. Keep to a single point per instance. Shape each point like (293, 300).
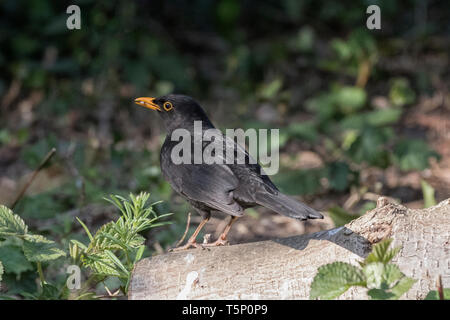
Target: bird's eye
(168, 106)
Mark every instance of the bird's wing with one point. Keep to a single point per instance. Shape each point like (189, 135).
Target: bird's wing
(212, 185)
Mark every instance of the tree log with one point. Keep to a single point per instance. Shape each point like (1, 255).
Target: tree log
(284, 268)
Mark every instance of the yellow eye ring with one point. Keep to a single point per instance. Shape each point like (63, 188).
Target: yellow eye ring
(168, 106)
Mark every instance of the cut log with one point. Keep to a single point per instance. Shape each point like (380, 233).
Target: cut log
(284, 268)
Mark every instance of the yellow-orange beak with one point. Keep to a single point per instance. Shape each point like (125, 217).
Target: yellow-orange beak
(147, 102)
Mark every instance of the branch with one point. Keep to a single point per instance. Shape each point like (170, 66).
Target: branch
(284, 268)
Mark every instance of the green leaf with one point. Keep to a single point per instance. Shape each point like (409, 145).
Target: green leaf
(14, 260)
(39, 249)
(369, 146)
(375, 118)
(380, 294)
(392, 274)
(413, 154)
(11, 224)
(49, 292)
(380, 252)
(434, 295)
(270, 90)
(117, 262)
(288, 181)
(85, 229)
(350, 99)
(338, 175)
(334, 279)
(428, 194)
(139, 254)
(401, 93)
(79, 244)
(340, 216)
(402, 286)
(374, 274)
(101, 264)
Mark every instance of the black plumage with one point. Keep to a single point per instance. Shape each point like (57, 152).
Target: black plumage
(229, 188)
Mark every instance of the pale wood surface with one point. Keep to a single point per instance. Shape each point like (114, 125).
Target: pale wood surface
(284, 268)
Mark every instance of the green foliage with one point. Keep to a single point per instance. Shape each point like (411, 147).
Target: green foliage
(334, 279)
(13, 258)
(401, 93)
(11, 224)
(413, 154)
(118, 245)
(382, 279)
(428, 194)
(340, 216)
(39, 249)
(434, 294)
(20, 248)
(35, 247)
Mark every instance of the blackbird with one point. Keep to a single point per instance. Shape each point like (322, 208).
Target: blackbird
(229, 188)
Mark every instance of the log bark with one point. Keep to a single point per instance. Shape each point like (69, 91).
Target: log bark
(284, 268)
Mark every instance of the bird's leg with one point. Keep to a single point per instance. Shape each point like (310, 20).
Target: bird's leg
(192, 240)
(222, 240)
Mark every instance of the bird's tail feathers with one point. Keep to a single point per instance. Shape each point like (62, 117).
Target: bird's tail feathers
(286, 206)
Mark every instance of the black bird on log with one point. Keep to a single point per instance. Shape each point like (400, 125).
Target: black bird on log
(209, 186)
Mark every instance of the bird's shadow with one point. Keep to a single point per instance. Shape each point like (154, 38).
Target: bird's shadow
(341, 236)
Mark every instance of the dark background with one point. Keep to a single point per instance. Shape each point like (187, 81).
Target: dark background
(361, 112)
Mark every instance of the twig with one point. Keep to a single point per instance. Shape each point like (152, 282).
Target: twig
(185, 231)
(440, 288)
(41, 165)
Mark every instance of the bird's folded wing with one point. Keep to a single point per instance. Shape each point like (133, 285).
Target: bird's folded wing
(212, 185)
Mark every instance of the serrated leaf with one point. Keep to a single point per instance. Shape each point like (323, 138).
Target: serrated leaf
(381, 253)
(334, 279)
(11, 224)
(392, 274)
(101, 264)
(39, 249)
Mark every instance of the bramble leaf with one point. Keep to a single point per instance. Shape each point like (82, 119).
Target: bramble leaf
(39, 249)
(334, 279)
(11, 224)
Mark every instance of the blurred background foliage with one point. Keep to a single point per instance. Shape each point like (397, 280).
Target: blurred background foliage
(361, 112)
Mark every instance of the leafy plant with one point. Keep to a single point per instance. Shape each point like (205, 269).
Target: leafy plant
(428, 194)
(118, 245)
(35, 248)
(382, 279)
(434, 294)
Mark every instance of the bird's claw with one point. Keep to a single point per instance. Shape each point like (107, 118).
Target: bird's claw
(187, 246)
(218, 242)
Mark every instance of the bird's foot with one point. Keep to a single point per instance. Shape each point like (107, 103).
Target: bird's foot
(187, 246)
(218, 242)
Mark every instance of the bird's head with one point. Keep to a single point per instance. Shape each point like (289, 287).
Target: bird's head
(176, 110)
